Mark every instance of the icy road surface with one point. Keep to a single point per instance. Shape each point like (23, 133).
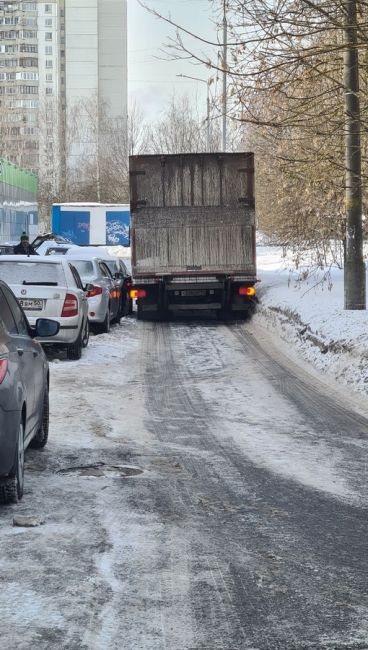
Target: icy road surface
(200, 492)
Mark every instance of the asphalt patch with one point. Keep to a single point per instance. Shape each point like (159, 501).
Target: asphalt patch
(102, 470)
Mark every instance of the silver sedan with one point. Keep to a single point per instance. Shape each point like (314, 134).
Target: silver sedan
(103, 293)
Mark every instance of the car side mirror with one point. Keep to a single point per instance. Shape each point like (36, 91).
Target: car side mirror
(88, 287)
(46, 327)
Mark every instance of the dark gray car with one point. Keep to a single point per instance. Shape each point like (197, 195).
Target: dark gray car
(120, 272)
(24, 397)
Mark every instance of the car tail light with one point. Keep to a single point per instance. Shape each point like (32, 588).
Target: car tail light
(137, 293)
(3, 369)
(70, 307)
(96, 291)
(247, 291)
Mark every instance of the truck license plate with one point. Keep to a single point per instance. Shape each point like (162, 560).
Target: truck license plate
(193, 292)
(31, 304)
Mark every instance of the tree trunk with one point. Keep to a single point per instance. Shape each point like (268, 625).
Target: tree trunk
(354, 271)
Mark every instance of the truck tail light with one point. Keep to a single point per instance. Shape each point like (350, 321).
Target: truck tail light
(96, 291)
(3, 369)
(70, 307)
(137, 293)
(247, 291)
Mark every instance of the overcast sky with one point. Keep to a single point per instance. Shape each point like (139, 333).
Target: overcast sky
(153, 82)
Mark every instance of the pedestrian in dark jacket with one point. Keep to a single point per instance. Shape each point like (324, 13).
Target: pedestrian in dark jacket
(24, 247)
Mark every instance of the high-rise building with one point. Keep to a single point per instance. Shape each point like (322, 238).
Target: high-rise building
(19, 83)
(59, 58)
(95, 69)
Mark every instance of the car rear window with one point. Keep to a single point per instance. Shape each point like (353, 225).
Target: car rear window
(84, 267)
(32, 273)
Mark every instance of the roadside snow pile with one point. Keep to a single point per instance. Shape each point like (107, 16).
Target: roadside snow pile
(309, 314)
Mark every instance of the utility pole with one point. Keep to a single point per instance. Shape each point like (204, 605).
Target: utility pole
(224, 81)
(208, 117)
(354, 267)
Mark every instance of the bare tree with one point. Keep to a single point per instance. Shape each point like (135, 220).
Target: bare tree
(284, 67)
(97, 149)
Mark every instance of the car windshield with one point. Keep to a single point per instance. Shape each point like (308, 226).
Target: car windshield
(32, 273)
(84, 267)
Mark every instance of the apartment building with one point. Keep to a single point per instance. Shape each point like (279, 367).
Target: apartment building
(19, 79)
(53, 57)
(95, 67)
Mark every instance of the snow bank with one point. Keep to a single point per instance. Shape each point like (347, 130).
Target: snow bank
(307, 311)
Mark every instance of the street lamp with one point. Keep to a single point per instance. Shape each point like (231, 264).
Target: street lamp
(208, 83)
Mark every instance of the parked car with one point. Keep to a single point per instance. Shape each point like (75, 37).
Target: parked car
(57, 250)
(42, 243)
(117, 268)
(120, 272)
(24, 391)
(7, 249)
(103, 294)
(50, 287)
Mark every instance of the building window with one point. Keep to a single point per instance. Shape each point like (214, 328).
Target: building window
(48, 22)
(28, 33)
(48, 36)
(48, 91)
(48, 63)
(25, 47)
(49, 77)
(48, 50)
(48, 9)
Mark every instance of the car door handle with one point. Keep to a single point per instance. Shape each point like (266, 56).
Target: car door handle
(20, 351)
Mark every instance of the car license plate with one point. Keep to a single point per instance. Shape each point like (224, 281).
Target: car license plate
(193, 292)
(31, 304)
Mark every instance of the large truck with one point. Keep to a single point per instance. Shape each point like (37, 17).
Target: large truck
(193, 234)
(92, 223)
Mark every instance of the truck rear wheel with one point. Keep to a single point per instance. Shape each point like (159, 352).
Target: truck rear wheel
(150, 315)
(225, 315)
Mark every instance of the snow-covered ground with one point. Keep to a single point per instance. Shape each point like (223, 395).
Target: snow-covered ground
(308, 314)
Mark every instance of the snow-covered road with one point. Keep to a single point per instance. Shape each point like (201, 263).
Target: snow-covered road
(201, 491)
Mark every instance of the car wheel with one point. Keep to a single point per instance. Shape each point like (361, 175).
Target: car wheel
(106, 325)
(40, 439)
(126, 306)
(85, 338)
(74, 352)
(118, 316)
(11, 488)
(122, 311)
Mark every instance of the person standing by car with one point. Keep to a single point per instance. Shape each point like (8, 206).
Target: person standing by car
(24, 247)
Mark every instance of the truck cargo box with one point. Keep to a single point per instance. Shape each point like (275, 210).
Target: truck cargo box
(193, 214)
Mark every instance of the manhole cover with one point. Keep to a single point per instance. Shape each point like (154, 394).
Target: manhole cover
(101, 469)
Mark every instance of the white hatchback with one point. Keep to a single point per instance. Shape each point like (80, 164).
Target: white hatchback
(50, 287)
